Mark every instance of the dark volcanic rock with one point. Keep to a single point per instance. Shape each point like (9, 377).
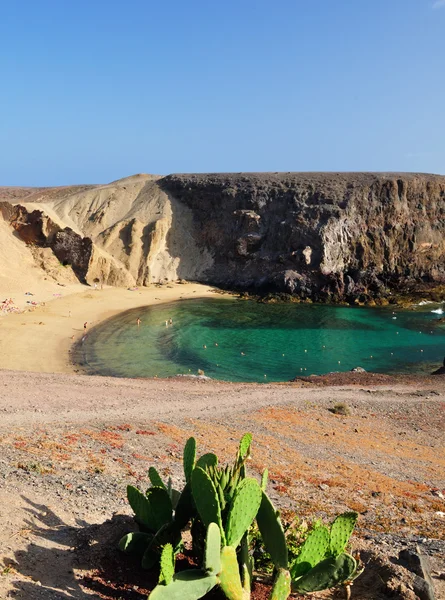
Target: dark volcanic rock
(37, 229)
(327, 237)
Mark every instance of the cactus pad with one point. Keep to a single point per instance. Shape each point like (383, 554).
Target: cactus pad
(184, 510)
(272, 533)
(206, 498)
(155, 478)
(312, 552)
(167, 564)
(244, 445)
(189, 457)
(264, 479)
(187, 585)
(244, 507)
(326, 574)
(141, 507)
(282, 586)
(135, 542)
(161, 506)
(341, 530)
(212, 558)
(207, 460)
(229, 578)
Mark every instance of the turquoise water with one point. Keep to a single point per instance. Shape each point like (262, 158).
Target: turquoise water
(238, 340)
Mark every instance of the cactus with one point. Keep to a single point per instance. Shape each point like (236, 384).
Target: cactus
(282, 585)
(141, 507)
(341, 530)
(264, 479)
(244, 507)
(186, 585)
(244, 446)
(271, 529)
(313, 551)
(189, 458)
(135, 542)
(167, 565)
(161, 507)
(155, 478)
(207, 460)
(229, 578)
(326, 574)
(212, 559)
(206, 499)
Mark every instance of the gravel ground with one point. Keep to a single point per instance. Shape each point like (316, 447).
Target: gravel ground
(70, 444)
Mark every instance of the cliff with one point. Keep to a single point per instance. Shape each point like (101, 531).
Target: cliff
(324, 237)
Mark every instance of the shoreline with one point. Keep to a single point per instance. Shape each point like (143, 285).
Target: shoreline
(41, 340)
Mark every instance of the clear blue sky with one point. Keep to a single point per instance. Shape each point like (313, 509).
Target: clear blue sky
(95, 90)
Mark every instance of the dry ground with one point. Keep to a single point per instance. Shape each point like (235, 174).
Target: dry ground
(70, 444)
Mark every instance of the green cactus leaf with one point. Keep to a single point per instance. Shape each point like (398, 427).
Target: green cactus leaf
(207, 460)
(155, 478)
(167, 565)
(174, 497)
(272, 532)
(161, 506)
(243, 509)
(341, 531)
(314, 550)
(281, 586)
(184, 510)
(189, 458)
(229, 578)
(326, 574)
(264, 479)
(212, 558)
(206, 499)
(135, 542)
(141, 507)
(244, 446)
(186, 585)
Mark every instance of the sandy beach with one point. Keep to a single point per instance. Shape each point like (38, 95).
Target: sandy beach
(39, 339)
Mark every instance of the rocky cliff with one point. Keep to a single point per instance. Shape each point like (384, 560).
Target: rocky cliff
(327, 237)
(320, 236)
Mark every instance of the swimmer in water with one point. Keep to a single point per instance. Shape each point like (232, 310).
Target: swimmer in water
(138, 321)
(170, 321)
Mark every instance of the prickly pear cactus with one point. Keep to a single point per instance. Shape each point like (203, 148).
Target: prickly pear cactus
(314, 550)
(206, 499)
(243, 509)
(326, 574)
(269, 524)
(212, 557)
(161, 507)
(167, 565)
(264, 479)
(207, 460)
(341, 530)
(141, 507)
(244, 446)
(155, 478)
(135, 542)
(282, 585)
(229, 578)
(186, 585)
(189, 457)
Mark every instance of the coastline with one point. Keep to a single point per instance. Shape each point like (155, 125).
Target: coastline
(41, 340)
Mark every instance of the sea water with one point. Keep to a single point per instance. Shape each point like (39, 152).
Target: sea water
(237, 340)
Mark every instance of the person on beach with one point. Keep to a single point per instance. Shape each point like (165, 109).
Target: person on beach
(85, 325)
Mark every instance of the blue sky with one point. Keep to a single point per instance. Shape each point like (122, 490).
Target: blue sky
(95, 90)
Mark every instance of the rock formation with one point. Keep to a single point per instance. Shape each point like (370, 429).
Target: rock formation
(325, 237)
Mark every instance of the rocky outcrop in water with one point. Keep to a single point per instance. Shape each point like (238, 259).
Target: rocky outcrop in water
(334, 237)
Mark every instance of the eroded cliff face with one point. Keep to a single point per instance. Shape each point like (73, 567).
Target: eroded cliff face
(325, 237)
(320, 236)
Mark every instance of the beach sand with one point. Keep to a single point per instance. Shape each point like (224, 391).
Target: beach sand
(39, 340)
